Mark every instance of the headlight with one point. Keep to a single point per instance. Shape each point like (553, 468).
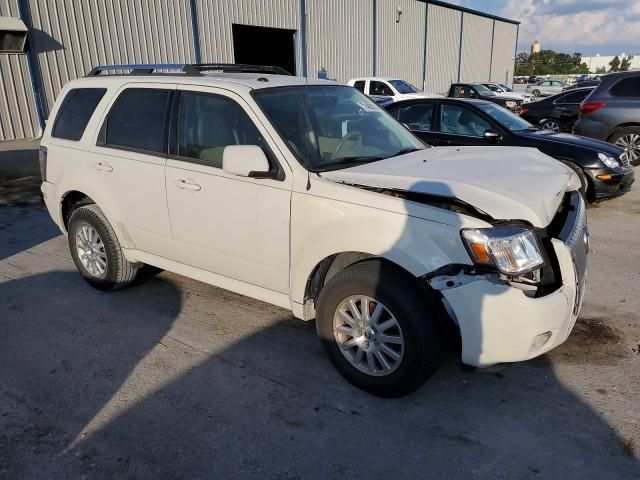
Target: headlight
(608, 160)
(511, 104)
(512, 250)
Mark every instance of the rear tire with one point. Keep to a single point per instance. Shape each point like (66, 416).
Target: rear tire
(96, 251)
(628, 138)
(416, 338)
(551, 124)
(536, 93)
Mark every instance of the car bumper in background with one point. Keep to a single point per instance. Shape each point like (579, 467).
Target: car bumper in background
(617, 185)
(586, 127)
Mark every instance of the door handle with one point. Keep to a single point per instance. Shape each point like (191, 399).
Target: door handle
(104, 167)
(187, 185)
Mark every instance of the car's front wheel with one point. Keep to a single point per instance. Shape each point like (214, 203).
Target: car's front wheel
(96, 251)
(536, 93)
(628, 138)
(380, 331)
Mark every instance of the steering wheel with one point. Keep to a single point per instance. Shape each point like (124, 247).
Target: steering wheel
(355, 137)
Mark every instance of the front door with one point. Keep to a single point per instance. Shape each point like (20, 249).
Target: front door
(457, 124)
(237, 227)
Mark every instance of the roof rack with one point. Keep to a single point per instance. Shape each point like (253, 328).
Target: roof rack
(190, 69)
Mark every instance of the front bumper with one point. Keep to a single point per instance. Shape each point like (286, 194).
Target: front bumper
(619, 183)
(501, 323)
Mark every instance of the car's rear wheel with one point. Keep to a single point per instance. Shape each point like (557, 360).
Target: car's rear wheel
(536, 93)
(380, 331)
(552, 125)
(96, 251)
(628, 138)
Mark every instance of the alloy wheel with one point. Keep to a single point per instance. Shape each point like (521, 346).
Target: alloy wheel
(630, 142)
(551, 125)
(91, 250)
(368, 335)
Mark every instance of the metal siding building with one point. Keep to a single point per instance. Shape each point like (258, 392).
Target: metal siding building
(426, 42)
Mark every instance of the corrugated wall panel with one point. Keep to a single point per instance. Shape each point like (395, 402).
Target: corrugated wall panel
(340, 38)
(75, 35)
(215, 18)
(443, 48)
(400, 44)
(476, 48)
(18, 117)
(504, 48)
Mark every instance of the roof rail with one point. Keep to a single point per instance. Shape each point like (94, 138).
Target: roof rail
(194, 69)
(198, 68)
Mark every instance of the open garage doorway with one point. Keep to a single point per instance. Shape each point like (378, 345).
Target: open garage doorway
(265, 46)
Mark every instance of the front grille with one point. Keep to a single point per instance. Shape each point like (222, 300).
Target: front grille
(575, 235)
(624, 159)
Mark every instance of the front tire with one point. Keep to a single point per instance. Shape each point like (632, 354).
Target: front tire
(536, 93)
(584, 182)
(96, 251)
(380, 331)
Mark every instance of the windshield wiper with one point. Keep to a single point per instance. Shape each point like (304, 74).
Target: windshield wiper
(404, 151)
(348, 161)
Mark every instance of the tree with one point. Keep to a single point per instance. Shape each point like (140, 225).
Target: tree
(601, 70)
(626, 63)
(614, 64)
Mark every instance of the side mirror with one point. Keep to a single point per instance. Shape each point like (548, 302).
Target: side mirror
(245, 161)
(492, 136)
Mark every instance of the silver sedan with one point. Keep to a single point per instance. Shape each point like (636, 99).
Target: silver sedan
(546, 88)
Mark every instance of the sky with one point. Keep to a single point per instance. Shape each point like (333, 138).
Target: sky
(607, 27)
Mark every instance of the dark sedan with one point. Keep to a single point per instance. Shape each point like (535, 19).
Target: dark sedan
(479, 91)
(557, 113)
(603, 168)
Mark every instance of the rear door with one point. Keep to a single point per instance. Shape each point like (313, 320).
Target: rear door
(127, 165)
(459, 124)
(567, 107)
(419, 118)
(236, 227)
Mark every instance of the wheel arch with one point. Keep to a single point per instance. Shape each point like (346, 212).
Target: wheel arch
(621, 126)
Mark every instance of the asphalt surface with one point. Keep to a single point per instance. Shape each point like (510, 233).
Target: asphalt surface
(172, 378)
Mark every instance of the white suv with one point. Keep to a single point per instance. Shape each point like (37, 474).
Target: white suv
(306, 195)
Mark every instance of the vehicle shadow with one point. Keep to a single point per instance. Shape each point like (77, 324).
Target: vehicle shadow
(24, 227)
(19, 175)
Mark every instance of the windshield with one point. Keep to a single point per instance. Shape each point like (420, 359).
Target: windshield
(483, 91)
(329, 127)
(504, 117)
(403, 87)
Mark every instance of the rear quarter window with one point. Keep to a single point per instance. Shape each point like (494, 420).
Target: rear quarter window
(75, 112)
(626, 87)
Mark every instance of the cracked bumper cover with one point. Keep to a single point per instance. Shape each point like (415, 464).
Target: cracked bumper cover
(498, 323)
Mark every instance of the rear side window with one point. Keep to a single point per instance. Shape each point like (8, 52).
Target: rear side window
(359, 85)
(138, 120)
(574, 98)
(75, 112)
(416, 117)
(627, 87)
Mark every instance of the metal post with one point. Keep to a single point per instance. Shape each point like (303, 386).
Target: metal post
(460, 51)
(32, 66)
(375, 40)
(195, 31)
(303, 36)
(515, 56)
(424, 51)
(493, 37)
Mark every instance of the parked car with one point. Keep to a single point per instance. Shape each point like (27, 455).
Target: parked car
(479, 91)
(308, 196)
(504, 91)
(603, 169)
(582, 84)
(546, 88)
(393, 89)
(520, 80)
(533, 79)
(612, 113)
(557, 113)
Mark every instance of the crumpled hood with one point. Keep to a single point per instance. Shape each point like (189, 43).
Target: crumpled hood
(507, 183)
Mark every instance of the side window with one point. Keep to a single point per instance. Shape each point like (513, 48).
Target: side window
(416, 117)
(493, 88)
(627, 87)
(459, 120)
(208, 123)
(359, 85)
(573, 98)
(380, 88)
(138, 119)
(75, 112)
